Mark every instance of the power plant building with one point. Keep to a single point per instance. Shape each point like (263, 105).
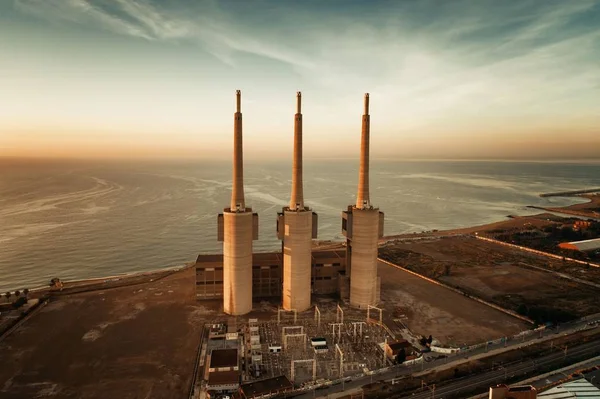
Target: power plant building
(296, 227)
(297, 271)
(237, 228)
(362, 224)
(326, 269)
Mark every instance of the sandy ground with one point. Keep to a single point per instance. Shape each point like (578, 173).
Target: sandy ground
(449, 317)
(499, 274)
(127, 342)
(590, 209)
(539, 221)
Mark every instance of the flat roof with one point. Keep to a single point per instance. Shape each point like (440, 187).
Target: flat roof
(521, 388)
(260, 257)
(262, 387)
(331, 253)
(209, 258)
(264, 258)
(575, 389)
(224, 377)
(593, 377)
(223, 358)
(397, 345)
(585, 245)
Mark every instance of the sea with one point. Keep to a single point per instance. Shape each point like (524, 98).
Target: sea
(84, 219)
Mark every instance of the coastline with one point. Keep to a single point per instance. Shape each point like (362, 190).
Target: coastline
(511, 221)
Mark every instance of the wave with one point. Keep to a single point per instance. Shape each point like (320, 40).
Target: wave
(476, 181)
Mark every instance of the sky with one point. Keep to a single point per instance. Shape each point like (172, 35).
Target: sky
(447, 79)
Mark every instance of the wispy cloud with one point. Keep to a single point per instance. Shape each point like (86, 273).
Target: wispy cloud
(427, 63)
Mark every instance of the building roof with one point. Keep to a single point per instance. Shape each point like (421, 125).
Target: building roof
(209, 258)
(328, 254)
(580, 388)
(593, 377)
(274, 258)
(585, 245)
(397, 345)
(262, 387)
(224, 377)
(259, 258)
(521, 388)
(224, 358)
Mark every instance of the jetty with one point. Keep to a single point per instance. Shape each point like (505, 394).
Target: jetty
(569, 193)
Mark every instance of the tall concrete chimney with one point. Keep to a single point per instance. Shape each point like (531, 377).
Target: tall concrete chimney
(362, 199)
(363, 226)
(237, 192)
(296, 227)
(237, 228)
(297, 200)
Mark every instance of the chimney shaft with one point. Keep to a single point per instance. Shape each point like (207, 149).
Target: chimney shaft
(297, 200)
(237, 192)
(362, 199)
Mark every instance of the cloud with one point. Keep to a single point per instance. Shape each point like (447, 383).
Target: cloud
(428, 64)
(209, 27)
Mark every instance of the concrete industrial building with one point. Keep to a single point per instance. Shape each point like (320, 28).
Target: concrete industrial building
(362, 225)
(583, 246)
(223, 372)
(516, 392)
(266, 388)
(237, 228)
(326, 269)
(296, 227)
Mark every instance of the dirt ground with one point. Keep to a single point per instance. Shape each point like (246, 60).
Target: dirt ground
(500, 274)
(128, 342)
(451, 318)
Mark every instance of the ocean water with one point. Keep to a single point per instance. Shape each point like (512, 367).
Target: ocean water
(92, 219)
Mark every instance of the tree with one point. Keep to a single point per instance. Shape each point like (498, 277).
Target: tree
(17, 293)
(8, 295)
(25, 291)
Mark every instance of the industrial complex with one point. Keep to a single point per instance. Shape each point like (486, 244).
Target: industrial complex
(293, 274)
(319, 315)
(422, 314)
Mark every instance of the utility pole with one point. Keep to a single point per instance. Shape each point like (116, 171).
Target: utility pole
(431, 388)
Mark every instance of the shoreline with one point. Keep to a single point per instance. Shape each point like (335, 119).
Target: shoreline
(577, 210)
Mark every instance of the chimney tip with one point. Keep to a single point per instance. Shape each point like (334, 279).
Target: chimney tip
(366, 103)
(238, 94)
(298, 102)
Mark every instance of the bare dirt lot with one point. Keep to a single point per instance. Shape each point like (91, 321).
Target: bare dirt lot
(127, 342)
(500, 275)
(451, 318)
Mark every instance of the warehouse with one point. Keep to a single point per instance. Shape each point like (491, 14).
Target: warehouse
(583, 246)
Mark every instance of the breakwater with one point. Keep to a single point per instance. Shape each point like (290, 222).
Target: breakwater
(569, 193)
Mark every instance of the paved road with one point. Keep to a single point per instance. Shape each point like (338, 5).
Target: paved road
(489, 378)
(432, 363)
